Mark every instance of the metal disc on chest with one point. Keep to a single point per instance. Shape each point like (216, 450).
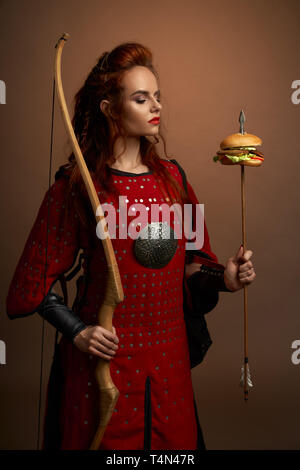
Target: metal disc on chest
(156, 245)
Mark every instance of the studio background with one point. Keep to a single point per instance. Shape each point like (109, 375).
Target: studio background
(214, 59)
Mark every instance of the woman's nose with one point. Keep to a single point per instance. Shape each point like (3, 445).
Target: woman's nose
(156, 105)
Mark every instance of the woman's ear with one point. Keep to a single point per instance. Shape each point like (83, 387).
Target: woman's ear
(104, 106)
(106, 110)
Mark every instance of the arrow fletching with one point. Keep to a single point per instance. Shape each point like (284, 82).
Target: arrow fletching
(249, 383)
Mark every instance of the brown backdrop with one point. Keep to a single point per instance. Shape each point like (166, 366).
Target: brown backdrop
(214, 58)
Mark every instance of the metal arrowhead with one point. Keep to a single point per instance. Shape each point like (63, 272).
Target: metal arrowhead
(242, 120)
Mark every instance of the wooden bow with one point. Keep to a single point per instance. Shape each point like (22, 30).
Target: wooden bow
(114, 292)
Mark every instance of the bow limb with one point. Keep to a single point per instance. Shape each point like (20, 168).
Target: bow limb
(114, 291)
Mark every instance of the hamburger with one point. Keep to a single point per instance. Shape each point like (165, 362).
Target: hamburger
(240, 149)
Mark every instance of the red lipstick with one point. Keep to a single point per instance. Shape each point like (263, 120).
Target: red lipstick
(155, 120)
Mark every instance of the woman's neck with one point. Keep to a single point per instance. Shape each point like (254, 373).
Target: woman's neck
(131, 159)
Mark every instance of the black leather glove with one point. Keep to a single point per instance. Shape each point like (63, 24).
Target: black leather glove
(60, 316)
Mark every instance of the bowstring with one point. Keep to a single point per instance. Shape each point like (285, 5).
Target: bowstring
(46, 265)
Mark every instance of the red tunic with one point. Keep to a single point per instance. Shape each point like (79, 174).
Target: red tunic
(149, 323)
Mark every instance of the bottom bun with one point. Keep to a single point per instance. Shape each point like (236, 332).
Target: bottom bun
(251, 162)
(227, 161)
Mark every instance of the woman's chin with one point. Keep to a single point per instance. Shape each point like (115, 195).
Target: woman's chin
(154, 131)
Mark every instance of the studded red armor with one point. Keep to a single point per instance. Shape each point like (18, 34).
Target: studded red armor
(151, 368)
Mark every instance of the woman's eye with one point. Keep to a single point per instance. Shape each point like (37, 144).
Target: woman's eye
(143, 101)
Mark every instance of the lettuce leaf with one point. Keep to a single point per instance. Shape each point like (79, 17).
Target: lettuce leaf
(236, 159)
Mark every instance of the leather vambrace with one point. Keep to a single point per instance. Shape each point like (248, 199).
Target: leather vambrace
(60, 316)
(204, 286)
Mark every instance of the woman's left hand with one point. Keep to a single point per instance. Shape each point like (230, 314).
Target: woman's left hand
(239, 270)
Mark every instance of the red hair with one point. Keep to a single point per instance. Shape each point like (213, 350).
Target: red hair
(92, 129)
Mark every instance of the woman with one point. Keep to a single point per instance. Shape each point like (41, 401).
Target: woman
(117, 117)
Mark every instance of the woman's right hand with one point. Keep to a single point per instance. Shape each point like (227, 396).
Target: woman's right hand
(98, 341)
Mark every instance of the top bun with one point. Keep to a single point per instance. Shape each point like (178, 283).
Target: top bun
(240, 140)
